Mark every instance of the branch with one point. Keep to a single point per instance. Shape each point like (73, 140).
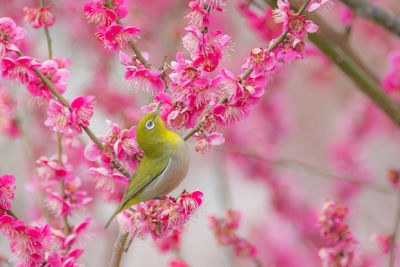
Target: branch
(137, 52)
(118, 249)
(63, 101)
(395, 233)
(359, 77)
(288, 163)
(383, 17)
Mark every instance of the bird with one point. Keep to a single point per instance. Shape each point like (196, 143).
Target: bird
(164, 165)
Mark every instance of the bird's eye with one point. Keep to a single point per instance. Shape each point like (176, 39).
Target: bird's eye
(150, 125)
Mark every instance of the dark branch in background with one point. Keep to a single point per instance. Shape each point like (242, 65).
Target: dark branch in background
(363, 81)
(383, 17)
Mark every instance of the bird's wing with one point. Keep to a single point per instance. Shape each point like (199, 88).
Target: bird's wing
(148, 170)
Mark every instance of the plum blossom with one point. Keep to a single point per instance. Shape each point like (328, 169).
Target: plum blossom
(20, 69)
(9, 29)
(7, 188)
(59, 116)
(225, 233)
(178, 263)
(339, 251)
(118, 37)
(204, 144)
(55, 70)
(159, 218)
(198, 17)
(96, 12)
(391, 81)
(212, 4)
(29, 243)
(82, 112)
(109, 182)
(169, 243)
(39, 17)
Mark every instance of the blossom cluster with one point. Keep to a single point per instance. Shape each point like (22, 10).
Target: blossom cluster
(159, 218)
(225, 229)
(339, 249)
(42, 245)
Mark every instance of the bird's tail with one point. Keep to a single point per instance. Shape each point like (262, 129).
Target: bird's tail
(112, 217)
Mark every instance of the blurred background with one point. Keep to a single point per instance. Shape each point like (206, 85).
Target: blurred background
(312, 137)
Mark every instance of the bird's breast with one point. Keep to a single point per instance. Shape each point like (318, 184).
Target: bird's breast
(172, 176)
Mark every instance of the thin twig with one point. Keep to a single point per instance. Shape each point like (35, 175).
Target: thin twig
(289, 163)
(118, 249)
(12, 214)
(395, 233)
(67, 228)
(65, 103)
(137, 52)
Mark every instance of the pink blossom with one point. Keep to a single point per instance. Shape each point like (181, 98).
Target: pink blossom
(108, 181)
(264, 24)
(7, 188)
(82, 112)
(315, 4)
(339, 240)
(383, 242)
(226, 114)
(212, 4)
(20, 69)
(204, 144)
(50, 169)
(225, 233)
(261, 60)
(126, 146)
(59, 116)
(55, 71)
(118, 37)
(8, 28)
(198, 17)
(147, 80)
(178, 263)
(96, 12)
(39, 17)
(169, 243)
(159, 217)
(391, 81)
(29, 243)
(58, 204)
(298, 24)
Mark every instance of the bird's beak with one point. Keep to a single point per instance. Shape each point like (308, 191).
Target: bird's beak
(157, 108)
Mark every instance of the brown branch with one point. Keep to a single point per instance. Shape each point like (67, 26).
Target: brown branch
(118, 249)
(383, 17)
(289, 163)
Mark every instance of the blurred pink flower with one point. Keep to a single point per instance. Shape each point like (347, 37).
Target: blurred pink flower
(14, 34)
(159, 218)
(97, 13)
(118, 37)
(7, 188)
(391, 81)
(59, 116)
(225, 233)
(178, 263)
(39, 17)
(20, 69)
(82, 112)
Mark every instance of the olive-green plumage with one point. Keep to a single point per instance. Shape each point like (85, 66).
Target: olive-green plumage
(164, 165)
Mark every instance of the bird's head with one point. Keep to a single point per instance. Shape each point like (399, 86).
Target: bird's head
(151, 132)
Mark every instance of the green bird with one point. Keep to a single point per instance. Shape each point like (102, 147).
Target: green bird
(164, 166)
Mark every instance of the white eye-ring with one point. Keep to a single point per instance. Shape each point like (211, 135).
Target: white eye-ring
(150, 125)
